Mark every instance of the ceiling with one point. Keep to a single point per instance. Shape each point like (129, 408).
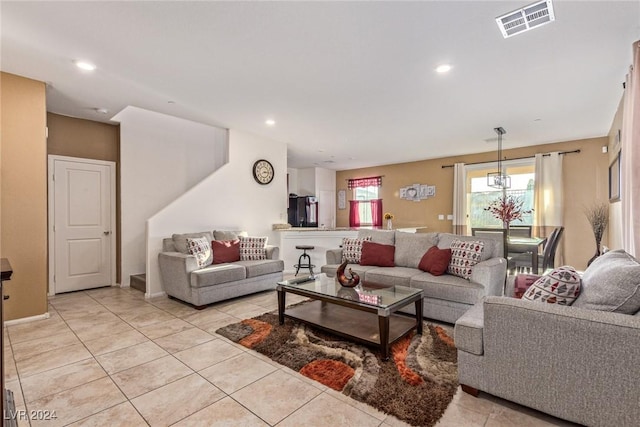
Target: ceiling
(349, 84)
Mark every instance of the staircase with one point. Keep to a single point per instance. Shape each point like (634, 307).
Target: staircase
(139, 282)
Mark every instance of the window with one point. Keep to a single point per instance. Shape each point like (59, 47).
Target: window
(479, 195)
(365, 195)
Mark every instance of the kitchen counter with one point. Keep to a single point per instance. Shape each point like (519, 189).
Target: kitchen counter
(321, 239)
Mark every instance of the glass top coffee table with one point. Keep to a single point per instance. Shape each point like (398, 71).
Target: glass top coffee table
(364, 314)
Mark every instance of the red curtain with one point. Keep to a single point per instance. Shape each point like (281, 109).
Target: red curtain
(376, 212)
(373, 181)
(354, 213)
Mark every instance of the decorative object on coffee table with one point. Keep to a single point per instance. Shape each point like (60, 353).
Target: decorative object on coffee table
(598, 216)
(350, 281)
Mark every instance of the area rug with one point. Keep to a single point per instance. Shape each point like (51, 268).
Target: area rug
(415, 385)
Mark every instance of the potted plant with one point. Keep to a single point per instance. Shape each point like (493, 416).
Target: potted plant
(389, 217)
(598, 216)
(508, 208)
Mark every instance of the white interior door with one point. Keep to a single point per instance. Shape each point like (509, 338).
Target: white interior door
(82, 202)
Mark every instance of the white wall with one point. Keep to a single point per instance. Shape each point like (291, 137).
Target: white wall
(326, 193)
(293, 180)
(161, 157)
(307, 182)
(227, 199)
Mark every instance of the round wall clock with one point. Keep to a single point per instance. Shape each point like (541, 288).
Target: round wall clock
(263, 172)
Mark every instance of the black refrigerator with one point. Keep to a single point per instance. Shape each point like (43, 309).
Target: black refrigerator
(303, 211)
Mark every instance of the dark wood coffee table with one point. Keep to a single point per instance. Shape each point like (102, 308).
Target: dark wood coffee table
(365, 314)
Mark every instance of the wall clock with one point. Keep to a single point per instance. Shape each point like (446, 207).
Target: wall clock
(263, 172)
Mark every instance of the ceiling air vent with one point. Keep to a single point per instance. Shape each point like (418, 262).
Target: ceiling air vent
(525, 19)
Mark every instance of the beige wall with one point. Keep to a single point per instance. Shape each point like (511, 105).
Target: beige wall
(585, 181)
(23, 172)
(69, 136)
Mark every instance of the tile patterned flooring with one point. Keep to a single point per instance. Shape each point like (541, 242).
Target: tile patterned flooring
(109, 357)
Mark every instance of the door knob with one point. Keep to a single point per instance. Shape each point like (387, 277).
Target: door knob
(106, 233)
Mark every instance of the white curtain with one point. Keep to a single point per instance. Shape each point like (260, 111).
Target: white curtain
(630, 156)
(459, 199)
(548, 201)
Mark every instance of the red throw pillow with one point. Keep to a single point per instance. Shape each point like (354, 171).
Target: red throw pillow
(225, 251)
(377, 254)
(434, 261)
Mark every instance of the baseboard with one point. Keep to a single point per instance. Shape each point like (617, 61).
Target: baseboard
(27, 319)
(155, 295)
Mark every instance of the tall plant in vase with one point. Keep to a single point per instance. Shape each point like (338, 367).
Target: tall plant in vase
(598, 216)
(508, 208)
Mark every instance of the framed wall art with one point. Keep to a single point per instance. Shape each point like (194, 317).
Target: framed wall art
(614, 179)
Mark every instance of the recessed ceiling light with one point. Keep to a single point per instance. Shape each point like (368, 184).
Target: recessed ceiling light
(443, 68)
(270, 122)
(84, 65)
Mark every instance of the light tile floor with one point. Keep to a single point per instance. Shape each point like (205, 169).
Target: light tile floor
(109, 357)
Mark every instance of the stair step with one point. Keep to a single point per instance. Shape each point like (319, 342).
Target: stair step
(138, 281)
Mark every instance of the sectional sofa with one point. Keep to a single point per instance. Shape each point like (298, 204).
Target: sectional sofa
(183, 279)
(579, 362)
(446, 297)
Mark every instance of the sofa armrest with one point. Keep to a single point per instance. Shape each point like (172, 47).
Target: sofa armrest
(562, 359)
(334, 256)
(273, 252)
(491, 274)
(175, 269)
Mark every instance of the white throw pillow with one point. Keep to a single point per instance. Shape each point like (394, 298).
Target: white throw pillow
(201, 248)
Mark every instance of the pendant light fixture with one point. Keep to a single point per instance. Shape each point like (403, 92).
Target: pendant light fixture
(499, 179)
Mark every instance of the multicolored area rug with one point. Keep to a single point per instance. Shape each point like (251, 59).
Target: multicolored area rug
(415, 385)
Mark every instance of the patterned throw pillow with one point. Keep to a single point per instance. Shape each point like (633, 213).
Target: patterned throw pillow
(464, 255)
(201, 248)
(561, 286)
(253, 248)
(352, 248)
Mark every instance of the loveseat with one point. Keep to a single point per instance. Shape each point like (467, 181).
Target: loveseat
(185, 280)
(579, 362)
(446, 297)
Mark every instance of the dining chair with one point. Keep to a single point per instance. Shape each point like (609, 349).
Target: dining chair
(545, 260)
(520, 230)
(493, 233)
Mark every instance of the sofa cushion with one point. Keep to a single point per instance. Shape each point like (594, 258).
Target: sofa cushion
(229, 234)
(390, 276)
(252, 248)
(217, 274)
(411, 246)
(377, 254)
(180, 240)
(468, 332)
(464, 255)
(435, 261)
(611, 283)
(448, 287)
(560, 286)
(384, 237)
(352, 248)
(201, 249)
(492, 247)
(262, 267)
(225, 251)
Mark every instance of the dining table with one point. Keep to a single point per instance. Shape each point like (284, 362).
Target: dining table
(526, 244)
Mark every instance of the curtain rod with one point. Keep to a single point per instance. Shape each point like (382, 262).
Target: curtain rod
(366, 177)
(515, 158)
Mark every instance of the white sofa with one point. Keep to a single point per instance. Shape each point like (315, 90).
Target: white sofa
(446, 297)
(184, 280)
